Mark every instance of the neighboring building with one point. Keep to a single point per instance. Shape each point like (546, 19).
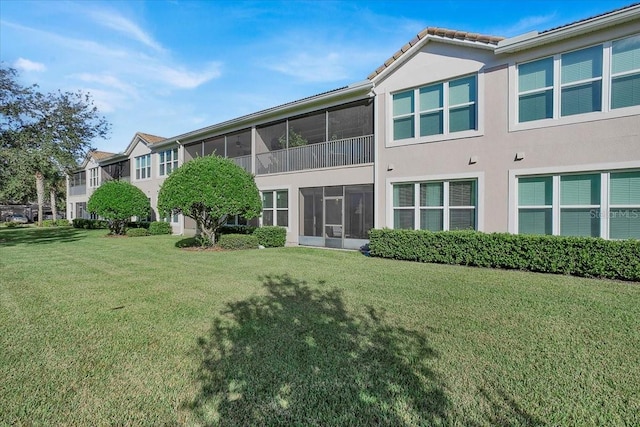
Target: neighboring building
(145, 163)
(538, 133)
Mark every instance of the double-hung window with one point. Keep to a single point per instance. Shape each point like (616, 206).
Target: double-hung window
(625, 72)
(441, 205)
(624, 205)
(604, 77)
(581, 81)
(594, 204)
(275, 208)
(94, 177)
(143, 167)
(437, 109)
(168, 161)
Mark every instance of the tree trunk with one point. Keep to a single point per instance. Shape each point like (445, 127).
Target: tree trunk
(54, 208)
(40, 192)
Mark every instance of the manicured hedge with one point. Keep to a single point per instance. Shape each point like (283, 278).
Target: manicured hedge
(271, 236)
(238, 241)
(138, 232)
(234, 229)
(579, 256)
(160, 227)
(90, 223)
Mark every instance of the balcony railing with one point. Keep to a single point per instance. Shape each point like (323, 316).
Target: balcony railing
(343, 152)
(244, 162)
(77, 190)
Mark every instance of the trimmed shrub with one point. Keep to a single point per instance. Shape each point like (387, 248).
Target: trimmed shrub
(137, 232)
(238, 241)
(578, 256)
(90, 224)
(138, 224)
(159, 227)
(54, 223)
(235, 229)
(271, 236)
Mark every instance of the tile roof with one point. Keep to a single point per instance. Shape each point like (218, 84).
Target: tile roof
(151, 139)
(437, 32)
(590, 18)
(99, 155)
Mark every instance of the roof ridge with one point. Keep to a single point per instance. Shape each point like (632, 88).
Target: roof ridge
(437, 32)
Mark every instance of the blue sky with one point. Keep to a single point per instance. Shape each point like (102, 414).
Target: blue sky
(169, 67)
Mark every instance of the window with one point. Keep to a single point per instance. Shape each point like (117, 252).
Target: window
(437, 109)
(625, 72)
(143, 167)
(168, 161)
(624, 205)
(235, 220)
(78, 179)
(94, 179)
(172, 218)
(575, 82)
(600, 204)
(442, 205)
(275, 208)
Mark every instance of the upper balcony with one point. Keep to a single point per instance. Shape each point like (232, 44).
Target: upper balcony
(342, 152)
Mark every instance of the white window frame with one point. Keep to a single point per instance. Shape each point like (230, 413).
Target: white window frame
(605, 169)
(606, 112)
(165, 165)
(94, 177)
(139, 168)
(446, 108)
(290, 203)
(417, 180)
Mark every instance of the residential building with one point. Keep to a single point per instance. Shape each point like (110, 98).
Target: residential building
(538, 133)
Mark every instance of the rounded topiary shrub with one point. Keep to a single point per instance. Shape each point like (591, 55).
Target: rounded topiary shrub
(159, 227)
(137, 232)
(238, 241)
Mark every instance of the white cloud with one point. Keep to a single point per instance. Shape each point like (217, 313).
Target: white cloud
(184, 79)
(26, 65)
(127, 27)
(107, 101)
(105, 80)
(312, 68)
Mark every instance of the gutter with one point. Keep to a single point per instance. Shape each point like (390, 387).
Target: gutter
(529, 40)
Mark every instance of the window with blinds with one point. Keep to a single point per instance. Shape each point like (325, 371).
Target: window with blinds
(574, 83)
(624, 205)
(435, 206)
(625, 72)
(581, 77)
(535, 90)
(581, 205)
(438, 109)
(535, 200)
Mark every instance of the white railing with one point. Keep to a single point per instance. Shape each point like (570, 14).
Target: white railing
(343, 152)
(244, 162)
(77, 190)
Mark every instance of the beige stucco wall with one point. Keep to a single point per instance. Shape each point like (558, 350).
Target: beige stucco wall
(587, 142)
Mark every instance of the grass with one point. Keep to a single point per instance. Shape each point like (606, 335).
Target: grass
(122, 331)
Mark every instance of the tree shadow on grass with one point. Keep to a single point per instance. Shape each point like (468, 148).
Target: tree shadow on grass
(296, 356)
(33, 235)
(505, 411)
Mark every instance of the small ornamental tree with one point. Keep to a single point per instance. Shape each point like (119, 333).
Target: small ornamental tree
(208, 190)
(117, 202)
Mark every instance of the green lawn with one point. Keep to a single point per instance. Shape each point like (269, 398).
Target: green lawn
(134, 331)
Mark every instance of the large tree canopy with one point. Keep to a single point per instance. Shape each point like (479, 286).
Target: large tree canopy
(117, 202)
(210, 189)
(41, 134)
